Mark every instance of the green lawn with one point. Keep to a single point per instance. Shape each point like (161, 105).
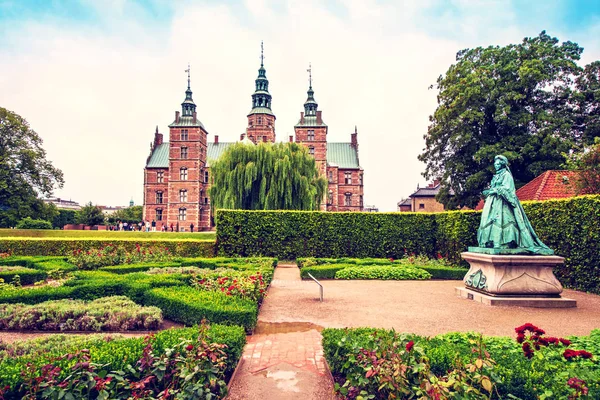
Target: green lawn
(40, 233)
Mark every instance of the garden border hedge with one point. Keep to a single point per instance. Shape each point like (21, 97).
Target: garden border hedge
(569, 226)
(23, 246)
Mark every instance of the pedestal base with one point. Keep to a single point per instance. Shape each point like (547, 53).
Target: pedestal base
(515, 301)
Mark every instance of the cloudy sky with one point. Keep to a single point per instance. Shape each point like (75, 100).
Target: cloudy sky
(95, 77)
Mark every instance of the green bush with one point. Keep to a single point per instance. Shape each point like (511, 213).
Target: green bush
(27, 276)
(114, 351)
(445, 272)
(35, 295)
(57, 246)
(324, 271)
(28, 223)
(116, 313)
(568, 226)
(383, 272)
(190, 306)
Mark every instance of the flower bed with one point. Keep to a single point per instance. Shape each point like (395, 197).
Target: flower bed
(116, 313)
(116, 255)
(378, 364)
(179, 361)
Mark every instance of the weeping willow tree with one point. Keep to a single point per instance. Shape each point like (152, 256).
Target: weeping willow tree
(280, 176)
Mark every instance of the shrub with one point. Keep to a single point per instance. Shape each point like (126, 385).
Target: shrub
(383, 272)
(27, 276)
(28, 223)
(446, 272)
(58, 246)
(164, 351)
(190, 306)
(116, 313)
(323, 271)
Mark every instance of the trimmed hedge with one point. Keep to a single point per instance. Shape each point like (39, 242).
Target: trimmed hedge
(52, 246)
(324, 271)
(383, 272)
(190, 306)
(447, 273)
(117, 352)
(27, 276)
(568, 226)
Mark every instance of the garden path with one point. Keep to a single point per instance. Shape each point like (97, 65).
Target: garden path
(283, 360)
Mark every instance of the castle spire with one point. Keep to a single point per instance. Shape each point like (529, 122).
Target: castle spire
(188, 107)
(310, 106)
(261, 98)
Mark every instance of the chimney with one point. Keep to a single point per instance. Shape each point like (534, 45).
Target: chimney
(194, 116)
(216, 138)
(158, 138)
(176, 116)
(319, 120)
(354, 138)
(302, 117)
(291, 139)
(242, 136)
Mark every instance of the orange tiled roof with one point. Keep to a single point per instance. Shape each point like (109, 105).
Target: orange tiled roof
(552, 184)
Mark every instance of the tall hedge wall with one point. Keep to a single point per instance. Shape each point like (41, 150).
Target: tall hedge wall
(571, 227)
(19, 246)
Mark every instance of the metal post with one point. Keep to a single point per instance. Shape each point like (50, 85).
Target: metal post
(318, 283)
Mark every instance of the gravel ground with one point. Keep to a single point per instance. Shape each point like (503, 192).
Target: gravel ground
(422, 307)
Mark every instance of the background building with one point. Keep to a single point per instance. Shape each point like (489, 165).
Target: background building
(423, 200)
(177, 173)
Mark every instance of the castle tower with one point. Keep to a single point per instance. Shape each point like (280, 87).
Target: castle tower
(261, 120)
(187, 162)
(311, 131)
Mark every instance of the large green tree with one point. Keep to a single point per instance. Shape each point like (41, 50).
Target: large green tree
(131, 214)
(515, 100)
(25, 173)
(90, 215)
(280, 176)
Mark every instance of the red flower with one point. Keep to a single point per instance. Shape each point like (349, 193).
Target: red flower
(391, 260)
(585, 354)
(410, 345)
(189, 347)
(565, 342)
(569, 354)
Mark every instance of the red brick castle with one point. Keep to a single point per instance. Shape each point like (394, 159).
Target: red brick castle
(177, 173)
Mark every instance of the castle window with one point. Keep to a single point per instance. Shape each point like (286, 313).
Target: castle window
(330, 197)
(360, 198)
(348, 178)
(311, 135)
(259, 121)
(184, 152)
(159, 197)
(160, 177)
(205, 176)
(159, 214)
(183, 174)
(360, 179)
(264, 139)
(183, 196)
(311, 151)
(182, 214)
(348, 199)
(421, 206)
(206, 200)
(330, 176)
(184, 134)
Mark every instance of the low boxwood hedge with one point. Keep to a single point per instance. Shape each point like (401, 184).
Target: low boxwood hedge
(52, 246)
(383, 272)
(324, 271)
(448, 273)
(27, 276)
(190, 306)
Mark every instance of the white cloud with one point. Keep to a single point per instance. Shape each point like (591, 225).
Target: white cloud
(95, 95)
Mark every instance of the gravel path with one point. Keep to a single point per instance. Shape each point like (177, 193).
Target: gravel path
(422, 307)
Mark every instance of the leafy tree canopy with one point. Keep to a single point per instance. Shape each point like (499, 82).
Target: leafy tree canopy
(517, 100)
(131, 214)
(90, 215)
(280, 176)
(587, 164)
(25, 173)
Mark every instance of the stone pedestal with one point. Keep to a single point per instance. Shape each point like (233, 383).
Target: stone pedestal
(504, 279)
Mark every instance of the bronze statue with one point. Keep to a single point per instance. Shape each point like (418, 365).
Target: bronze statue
(504, 226)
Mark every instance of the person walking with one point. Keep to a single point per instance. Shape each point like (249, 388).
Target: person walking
(171, 227)
(147, 226)
(192, 227)
(120, 225)
(153, 226)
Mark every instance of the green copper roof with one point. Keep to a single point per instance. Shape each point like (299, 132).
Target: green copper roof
(215, 150)
(261, 110)
(310, 120)
(187, 121)
(342, 155)
(160, 157)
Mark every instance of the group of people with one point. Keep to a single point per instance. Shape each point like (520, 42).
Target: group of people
(146, 226)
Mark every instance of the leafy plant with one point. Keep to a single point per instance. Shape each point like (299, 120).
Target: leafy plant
(383, 273)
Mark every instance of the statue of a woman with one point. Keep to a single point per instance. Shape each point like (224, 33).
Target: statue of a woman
(504, 224)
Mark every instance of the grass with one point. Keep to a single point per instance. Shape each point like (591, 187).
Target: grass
(41, 233)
